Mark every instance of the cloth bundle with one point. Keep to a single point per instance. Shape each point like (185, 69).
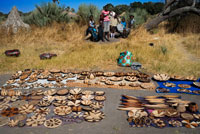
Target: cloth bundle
(125, 59)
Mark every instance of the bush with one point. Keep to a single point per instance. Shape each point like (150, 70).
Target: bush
(164, 49)
(141, 16)
(84, 11)
(151, 7)
(2, 18)
(47, 13)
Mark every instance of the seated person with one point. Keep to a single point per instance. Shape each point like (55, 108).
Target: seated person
(91, 25)
(91, 30)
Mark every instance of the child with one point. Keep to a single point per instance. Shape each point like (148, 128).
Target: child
(131, 22)
(124, 28)
(123, 23)
(113, 25)
(106, 22)
(91, 25)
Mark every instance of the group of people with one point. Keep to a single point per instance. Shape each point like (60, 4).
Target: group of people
(110, 26)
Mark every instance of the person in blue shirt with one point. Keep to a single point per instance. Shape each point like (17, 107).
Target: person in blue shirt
(123, 22)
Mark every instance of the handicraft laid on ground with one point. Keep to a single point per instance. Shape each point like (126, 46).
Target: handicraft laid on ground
(50, 108)
(177, 84)
(54, 78)
(160, 111)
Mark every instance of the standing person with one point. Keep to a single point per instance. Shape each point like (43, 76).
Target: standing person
(124, 27)
(106, 22)
(114, 21)
(131, 22)
(100, 28)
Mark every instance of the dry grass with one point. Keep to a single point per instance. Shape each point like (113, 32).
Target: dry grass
(192, 44)
(66, 40)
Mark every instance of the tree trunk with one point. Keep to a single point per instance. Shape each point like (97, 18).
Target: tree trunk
(156, 21)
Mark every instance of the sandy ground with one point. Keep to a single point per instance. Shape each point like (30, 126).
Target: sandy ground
(114, 123)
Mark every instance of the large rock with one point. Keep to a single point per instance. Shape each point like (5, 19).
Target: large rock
(14, 22)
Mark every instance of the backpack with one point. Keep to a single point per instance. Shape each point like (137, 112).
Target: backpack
(125, 59)
(47, 56)
(14, 52)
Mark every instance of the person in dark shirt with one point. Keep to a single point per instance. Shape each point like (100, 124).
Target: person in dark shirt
(100, 28)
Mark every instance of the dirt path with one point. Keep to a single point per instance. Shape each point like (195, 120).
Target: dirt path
(187, 54)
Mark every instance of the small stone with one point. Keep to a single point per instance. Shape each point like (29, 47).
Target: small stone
(21, 124)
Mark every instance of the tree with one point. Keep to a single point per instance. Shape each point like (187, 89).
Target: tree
(2, 16)
(135, 5)
(68, 9)
(119, 9)
(152, 8)
(110, 6)
(149, 6)
(54, 1)
(158, 7)
(72, 10)
(174, 8)
(85, 11)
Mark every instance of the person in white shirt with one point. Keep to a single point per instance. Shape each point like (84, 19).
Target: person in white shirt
(114, 21)
(131, 23)
(91, 25)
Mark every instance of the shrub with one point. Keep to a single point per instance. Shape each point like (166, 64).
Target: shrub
(47, 13)
(141, 16)
(84, 11)
(164, 49)
(2, 18)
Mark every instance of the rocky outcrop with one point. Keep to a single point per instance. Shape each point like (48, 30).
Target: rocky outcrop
(14, 22)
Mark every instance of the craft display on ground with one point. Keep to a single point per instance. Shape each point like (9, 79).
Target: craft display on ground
(177, 84)
(61, 78)
(160, 111)
(50, 108)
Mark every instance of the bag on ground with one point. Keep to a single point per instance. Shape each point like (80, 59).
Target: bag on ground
(14, 52)
(125, 59)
